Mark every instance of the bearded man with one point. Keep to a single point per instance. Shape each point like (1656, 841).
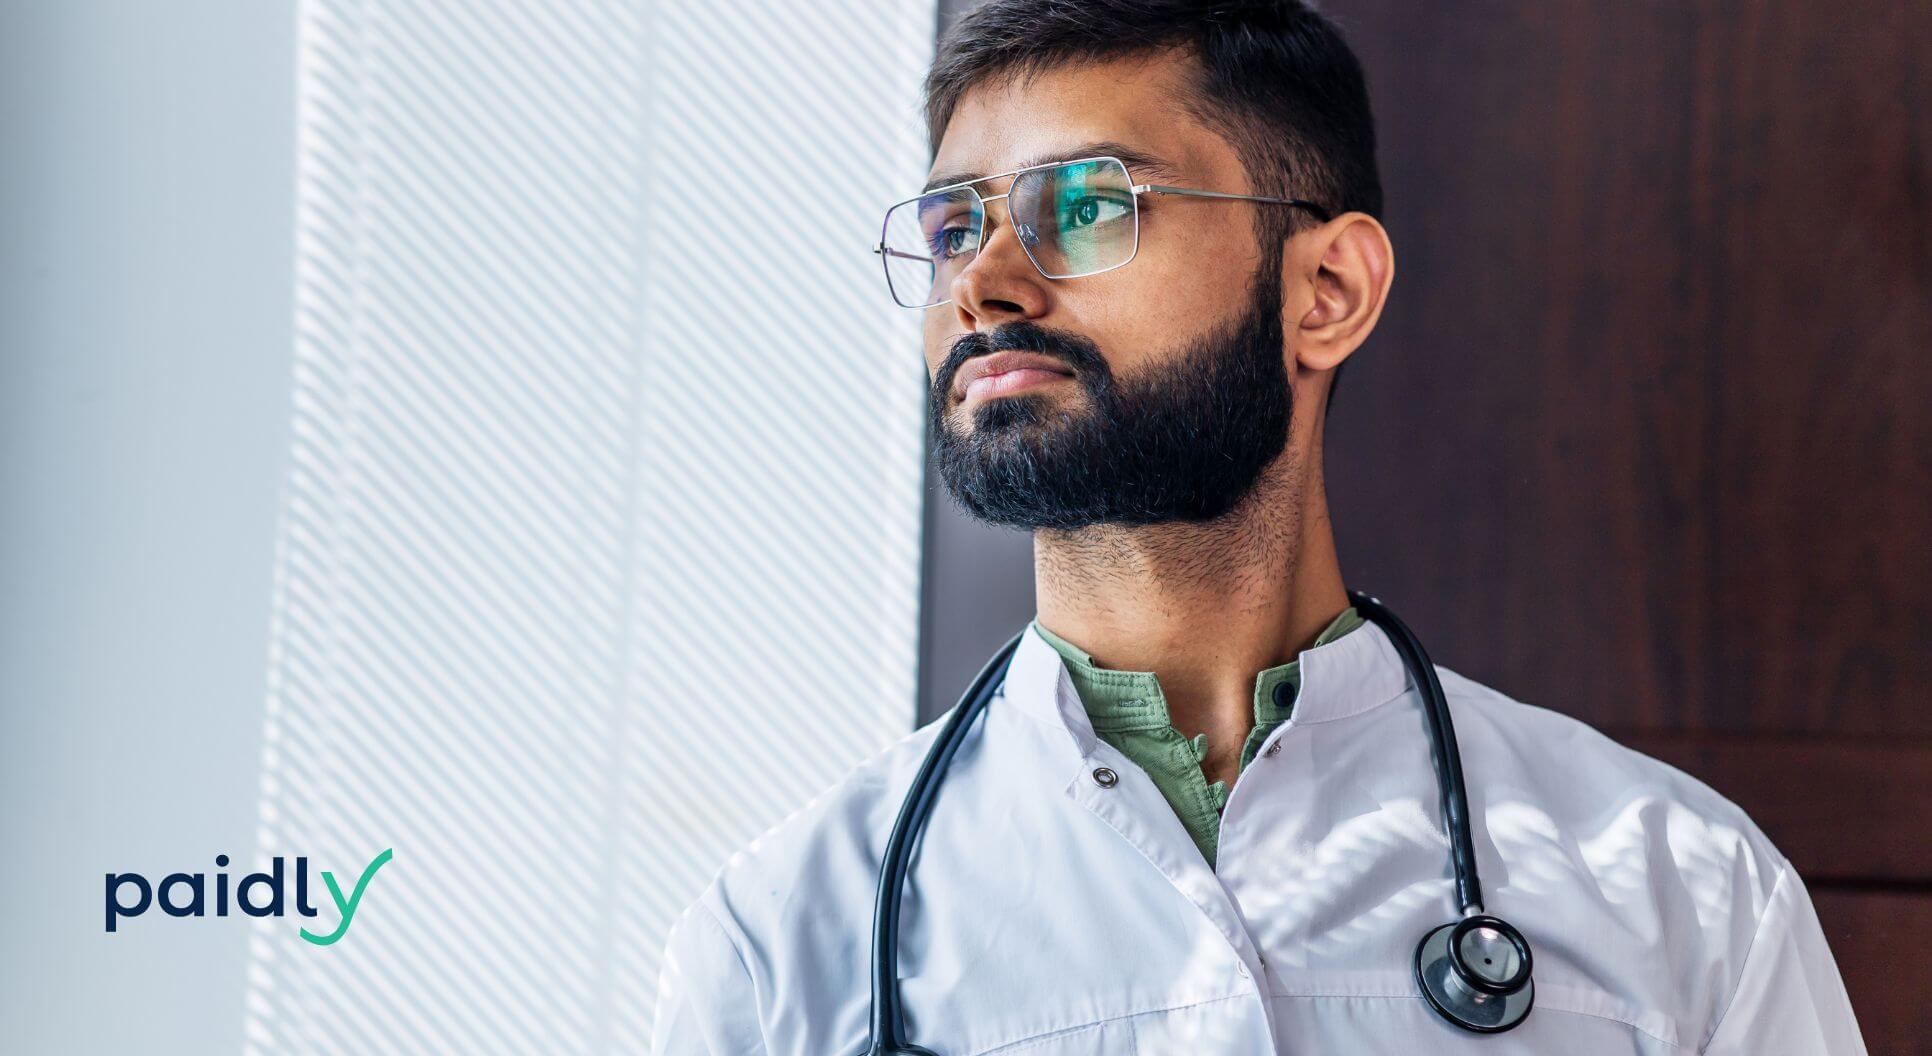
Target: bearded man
(1206, 806)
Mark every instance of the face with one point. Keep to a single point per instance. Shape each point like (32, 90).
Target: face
(1166, 393)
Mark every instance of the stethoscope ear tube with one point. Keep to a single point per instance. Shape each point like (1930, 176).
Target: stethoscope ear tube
(888, 1024)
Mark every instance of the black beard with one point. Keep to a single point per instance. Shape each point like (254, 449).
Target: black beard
(1183, 440)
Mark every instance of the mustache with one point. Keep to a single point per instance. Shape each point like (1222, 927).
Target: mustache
(1080, 355)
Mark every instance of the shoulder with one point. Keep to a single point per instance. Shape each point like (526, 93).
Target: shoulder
(817, 865)
(1588, 836)
(779, 926)
(1598, 784)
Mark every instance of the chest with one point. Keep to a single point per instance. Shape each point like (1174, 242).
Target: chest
(1091, 925)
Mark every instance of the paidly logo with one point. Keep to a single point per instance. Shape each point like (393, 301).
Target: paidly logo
(185, 895)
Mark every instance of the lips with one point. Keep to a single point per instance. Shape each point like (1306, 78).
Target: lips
(1003, 372)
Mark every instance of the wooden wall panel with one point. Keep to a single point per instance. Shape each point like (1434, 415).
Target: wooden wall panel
(1879, 939)
(1645, 432)
(1847, 811)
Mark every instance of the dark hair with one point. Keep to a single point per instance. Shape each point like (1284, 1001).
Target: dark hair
(1273, 77)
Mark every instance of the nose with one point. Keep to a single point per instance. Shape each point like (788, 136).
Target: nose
(1000, 283)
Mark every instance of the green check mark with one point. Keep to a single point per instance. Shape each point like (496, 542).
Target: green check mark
(347, 906)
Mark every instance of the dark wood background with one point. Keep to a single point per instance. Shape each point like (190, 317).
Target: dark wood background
(1645, 432)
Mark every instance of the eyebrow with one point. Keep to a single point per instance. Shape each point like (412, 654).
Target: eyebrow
(1141, 164)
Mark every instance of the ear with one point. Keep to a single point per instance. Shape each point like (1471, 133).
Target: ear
(1337, 279)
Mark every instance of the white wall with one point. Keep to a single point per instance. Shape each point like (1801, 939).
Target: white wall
(145, 262)
(397, 453)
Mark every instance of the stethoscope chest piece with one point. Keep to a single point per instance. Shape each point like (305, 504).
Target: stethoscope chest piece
(1476, 972)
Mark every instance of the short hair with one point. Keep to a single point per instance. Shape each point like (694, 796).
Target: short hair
(1274, 77)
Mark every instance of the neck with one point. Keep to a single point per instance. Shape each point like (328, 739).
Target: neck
(1203, 606)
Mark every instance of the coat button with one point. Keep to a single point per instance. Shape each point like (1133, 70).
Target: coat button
(1242, 968)
(1273, 747)
(1104, 777)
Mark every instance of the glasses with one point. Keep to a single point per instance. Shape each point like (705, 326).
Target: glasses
(1073, 218)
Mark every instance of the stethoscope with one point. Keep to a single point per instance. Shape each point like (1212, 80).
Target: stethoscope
(1474, 971)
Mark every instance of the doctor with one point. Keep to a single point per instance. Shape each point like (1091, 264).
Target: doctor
(1199, 815)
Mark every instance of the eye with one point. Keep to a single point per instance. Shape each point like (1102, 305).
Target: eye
(951, 242)
(1088, 210)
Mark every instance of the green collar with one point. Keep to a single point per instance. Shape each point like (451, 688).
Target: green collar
(1132, 700)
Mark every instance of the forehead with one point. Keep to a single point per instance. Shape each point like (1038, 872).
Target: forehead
(1012, 122)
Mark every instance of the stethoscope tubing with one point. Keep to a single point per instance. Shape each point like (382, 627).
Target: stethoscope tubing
(888, 1024)
(1442, 746)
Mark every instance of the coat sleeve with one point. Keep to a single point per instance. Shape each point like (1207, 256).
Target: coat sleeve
(1789, 996)
(707, 1004)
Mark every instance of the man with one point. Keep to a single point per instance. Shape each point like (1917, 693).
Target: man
(1200, 816)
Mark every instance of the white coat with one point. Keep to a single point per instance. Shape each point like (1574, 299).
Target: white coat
(1047, 915)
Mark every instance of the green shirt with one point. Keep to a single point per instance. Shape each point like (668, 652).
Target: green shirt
(1129, 711)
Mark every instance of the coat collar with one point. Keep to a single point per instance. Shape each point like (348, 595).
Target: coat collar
(1353, 674)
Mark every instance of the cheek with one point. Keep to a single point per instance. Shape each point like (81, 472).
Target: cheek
(1195, 261)
(1205, 257)
(1171, 293)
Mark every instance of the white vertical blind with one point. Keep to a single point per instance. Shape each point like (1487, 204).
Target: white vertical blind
(600, 540)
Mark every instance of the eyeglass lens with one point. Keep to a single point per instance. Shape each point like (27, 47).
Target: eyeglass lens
(1073, 219)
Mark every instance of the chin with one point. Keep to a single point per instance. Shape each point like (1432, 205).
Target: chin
(996, 413)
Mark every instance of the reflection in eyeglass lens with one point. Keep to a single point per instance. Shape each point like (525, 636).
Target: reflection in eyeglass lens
(927, 241)
(1075, 218)
(1081, 215)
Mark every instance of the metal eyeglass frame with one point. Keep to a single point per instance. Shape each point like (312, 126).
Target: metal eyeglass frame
(1137, 190)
